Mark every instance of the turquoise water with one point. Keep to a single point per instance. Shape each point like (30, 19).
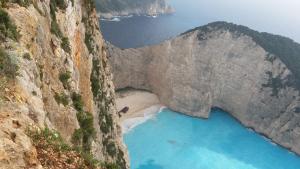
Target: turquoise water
(176, 141)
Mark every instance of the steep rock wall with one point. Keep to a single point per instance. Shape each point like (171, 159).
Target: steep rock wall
(62, 70)
(221, 68)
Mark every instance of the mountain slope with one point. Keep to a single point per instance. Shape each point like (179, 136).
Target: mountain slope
(253, 76)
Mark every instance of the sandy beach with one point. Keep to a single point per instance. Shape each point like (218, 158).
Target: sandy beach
(143, 106)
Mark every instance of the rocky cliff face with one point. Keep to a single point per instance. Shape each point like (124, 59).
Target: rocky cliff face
(55, 74)
(220, 65)
(109, 9)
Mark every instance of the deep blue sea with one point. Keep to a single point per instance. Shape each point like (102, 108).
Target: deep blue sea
(176, 141)
(274, 16)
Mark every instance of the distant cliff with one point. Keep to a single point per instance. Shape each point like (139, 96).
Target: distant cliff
(110, 8)
(252, 75)
(57, 101)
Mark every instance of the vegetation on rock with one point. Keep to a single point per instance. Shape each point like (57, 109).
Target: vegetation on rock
(61, 99)
(7, 28)
(64, 78)
(65, 45)
(53, 152)
(8, 67)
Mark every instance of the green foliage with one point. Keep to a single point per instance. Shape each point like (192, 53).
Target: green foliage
(77, 102)
(24, 3)
(284, 48)
(61, 4)
(7, 67)
(90, 5)
(27, 56)
(111, 149)
(34, 93)
(3, 3)
(55, 29)
(277, 83)
(120, 159)
(88, 42)
(53, 8)
(65, 44)
(86, 122)
(95, 81)
(52, 138)
(49, 139)
(77, 137)
(61, 99)
(110, 166)
(7, 28)
(89, 159)
(64, 78)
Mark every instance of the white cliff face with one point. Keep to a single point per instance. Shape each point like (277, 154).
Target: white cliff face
(225, 70)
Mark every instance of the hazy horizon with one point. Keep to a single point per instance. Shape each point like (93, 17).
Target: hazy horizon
(272, 16)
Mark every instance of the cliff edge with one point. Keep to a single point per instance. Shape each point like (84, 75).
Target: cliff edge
(56, 89)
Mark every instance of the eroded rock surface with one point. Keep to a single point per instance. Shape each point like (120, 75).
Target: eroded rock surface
(62, 70)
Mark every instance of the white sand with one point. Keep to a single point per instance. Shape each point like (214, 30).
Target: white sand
(142, 105)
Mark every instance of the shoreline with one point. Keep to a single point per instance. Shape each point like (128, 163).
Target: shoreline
(118, 17)
(143, 105)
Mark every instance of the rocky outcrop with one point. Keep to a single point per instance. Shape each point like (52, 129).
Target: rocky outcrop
(109, 9)
(221, 65)
(54, 74)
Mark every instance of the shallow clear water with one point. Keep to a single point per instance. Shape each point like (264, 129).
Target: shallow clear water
(176, 141)
(273, 16)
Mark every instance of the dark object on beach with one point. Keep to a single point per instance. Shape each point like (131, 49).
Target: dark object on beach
(124, 110)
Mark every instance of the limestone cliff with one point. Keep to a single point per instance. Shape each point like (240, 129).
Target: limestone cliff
(111, 8)
(54, 74)
(249, 74)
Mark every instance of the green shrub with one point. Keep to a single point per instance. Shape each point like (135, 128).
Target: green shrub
(110, 166)
(65, 45)
(52, 138)
(86, 122)
(77, 102)
(34, 93)
(88, 42)
(7, 28)
(47, 140)
(3, 3)
(111, 149)
(55, 29)
(90, 5)
(61, 99)
(7, 67)
(95, 81)
(64, 78)
(24, 3)
(27, 56)
(77, 137)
